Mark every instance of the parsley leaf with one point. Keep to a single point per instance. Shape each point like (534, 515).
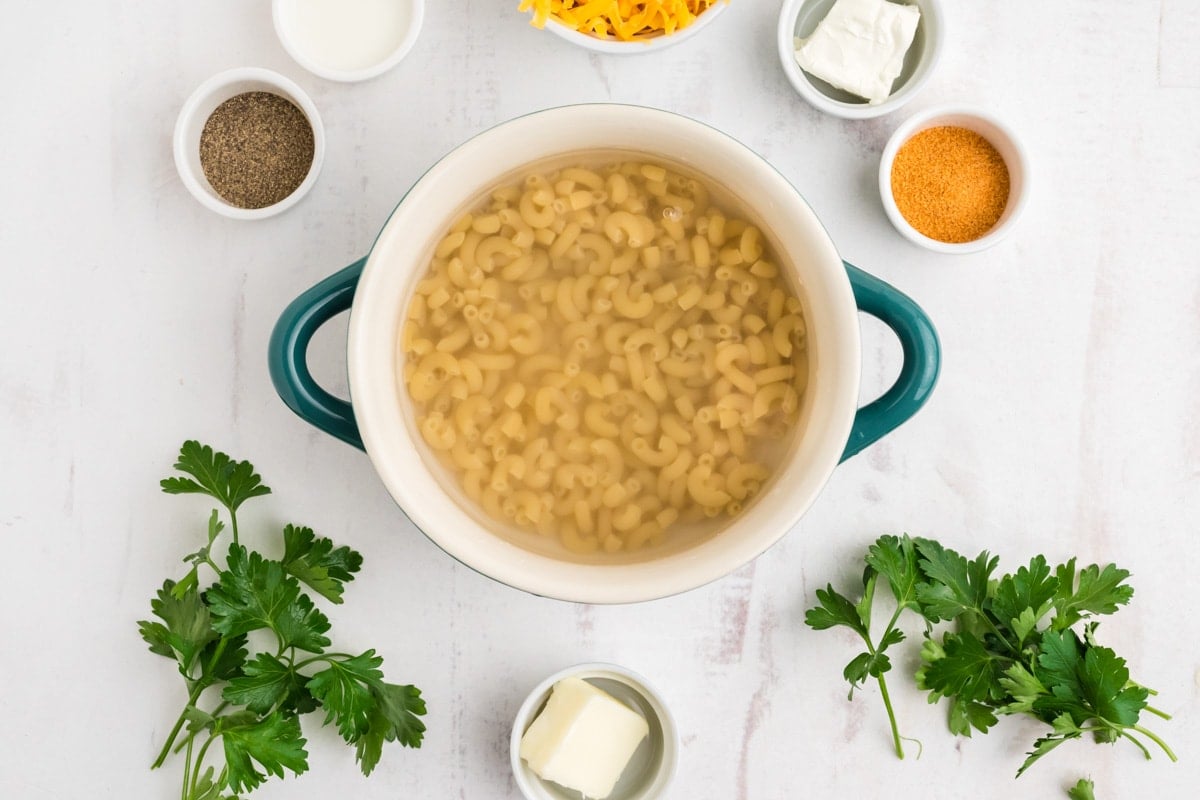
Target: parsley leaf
(865, 665)
(274, 742)
(955, 584)
(1026, 623)
(834, 610)
(966, 715)
(200, 557)
(216, 475)
(966, 669)
(837, 610)
(317, 564)
(206, 788)
(1023, 598)
(1083, 790)
(1041, 747)
(301, 625)
(344, 689)
(1023, 689)
(222, 659)
(187, 631)
(1091, 685)
(265, 683)
(1100, 591)
(255, 593)
(895, 559)
(1104, 680)
(394, 717)
(1058, 665)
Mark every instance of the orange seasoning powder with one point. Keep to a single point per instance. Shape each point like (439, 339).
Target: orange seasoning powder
(950, 183)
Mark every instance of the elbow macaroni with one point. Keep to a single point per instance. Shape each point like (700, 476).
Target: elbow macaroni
(604, 356)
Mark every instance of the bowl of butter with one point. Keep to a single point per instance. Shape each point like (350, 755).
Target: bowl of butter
(595, 731)
(860, 58)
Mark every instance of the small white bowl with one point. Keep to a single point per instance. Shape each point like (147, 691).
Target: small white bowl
(653, 764)
(196, 111)
(799, 18)
(648, 45)
(283, 13)
(989, 127)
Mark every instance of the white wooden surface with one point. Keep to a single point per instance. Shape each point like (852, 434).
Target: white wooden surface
(1065, 422)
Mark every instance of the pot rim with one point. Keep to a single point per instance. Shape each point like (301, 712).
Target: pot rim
(386, 434)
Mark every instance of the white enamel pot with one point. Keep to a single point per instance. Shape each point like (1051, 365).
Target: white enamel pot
(376, 290)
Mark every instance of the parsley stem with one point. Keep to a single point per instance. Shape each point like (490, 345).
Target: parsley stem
(887, 702)
(193, 696)
(233, 529)
(187, 763)
(1136, 741)
(166, 748)
(892, 622)
(330, 657)
(995, 631)
(883, 690)
(200, 758)
(1156, 712)
(1152, 737)
(216, 712)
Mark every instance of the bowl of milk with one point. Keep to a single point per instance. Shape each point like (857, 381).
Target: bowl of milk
(347, 40)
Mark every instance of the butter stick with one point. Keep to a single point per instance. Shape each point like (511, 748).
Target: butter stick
(583, 739)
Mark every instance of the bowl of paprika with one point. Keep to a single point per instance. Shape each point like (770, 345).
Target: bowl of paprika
(954, 179)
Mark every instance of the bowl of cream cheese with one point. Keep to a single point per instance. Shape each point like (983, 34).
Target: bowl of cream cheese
(859, 59)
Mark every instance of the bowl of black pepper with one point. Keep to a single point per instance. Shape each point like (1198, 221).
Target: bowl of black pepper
(249, 143)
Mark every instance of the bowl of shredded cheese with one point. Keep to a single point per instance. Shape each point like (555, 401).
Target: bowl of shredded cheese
(623, 26)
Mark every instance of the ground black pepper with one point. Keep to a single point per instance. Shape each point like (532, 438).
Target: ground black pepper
(256, 148)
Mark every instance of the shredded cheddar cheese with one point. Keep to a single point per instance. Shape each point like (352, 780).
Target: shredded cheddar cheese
(624, 20)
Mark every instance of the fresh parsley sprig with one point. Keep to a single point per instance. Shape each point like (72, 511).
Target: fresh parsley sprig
(262, 696)
(896, 561)
(1013, 648)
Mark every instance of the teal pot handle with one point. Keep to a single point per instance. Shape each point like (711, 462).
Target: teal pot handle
(918, 374)
(288, 354)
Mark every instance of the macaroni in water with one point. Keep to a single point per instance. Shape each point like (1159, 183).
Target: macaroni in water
(602, 356)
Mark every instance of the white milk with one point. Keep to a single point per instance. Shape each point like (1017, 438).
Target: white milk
(348, 35)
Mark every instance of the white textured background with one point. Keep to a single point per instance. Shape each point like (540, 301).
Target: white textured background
(1066, 421)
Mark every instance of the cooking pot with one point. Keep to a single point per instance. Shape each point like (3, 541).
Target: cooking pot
(376, 290)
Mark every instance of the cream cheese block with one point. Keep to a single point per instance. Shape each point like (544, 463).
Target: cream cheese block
(860, 46)
(583, 739)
